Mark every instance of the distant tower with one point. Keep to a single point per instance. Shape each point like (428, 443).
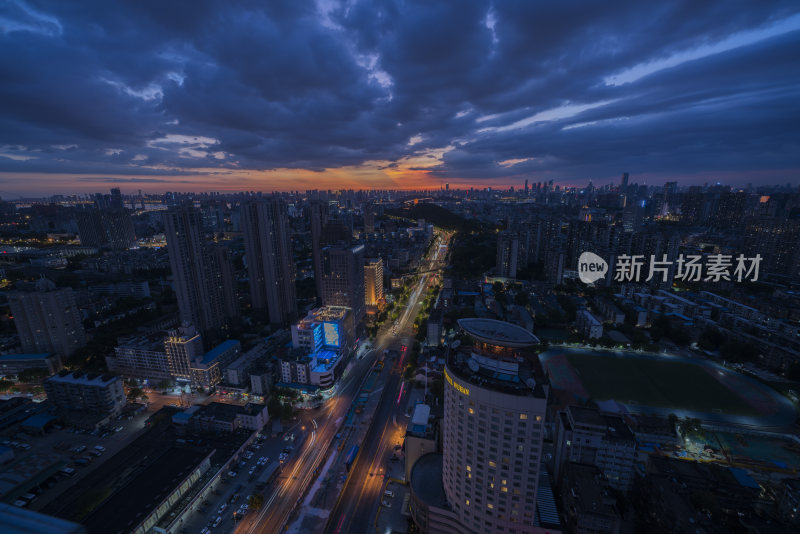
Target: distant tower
(369, 218)
(526, 187)
(116, 198)
(624, 182)
(447, 187)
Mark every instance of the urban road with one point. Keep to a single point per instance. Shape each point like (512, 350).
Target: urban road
(359, 497)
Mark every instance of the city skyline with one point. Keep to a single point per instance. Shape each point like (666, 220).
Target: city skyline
(401, 266)
(376, 99)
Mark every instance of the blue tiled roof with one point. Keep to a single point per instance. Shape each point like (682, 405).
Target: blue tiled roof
(214, 353)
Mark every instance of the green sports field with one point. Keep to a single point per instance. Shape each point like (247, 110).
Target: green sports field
(658, 383)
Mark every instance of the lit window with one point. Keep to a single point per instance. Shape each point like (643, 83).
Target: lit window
(471, 411)
(492, 464)
(467, 502)
(523, 416)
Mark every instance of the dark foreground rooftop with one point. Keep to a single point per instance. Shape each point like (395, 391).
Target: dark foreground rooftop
(131, 504)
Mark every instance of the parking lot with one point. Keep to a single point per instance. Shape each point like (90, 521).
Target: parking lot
(81, 451)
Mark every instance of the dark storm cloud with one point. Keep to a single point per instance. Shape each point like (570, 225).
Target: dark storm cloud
(152, 87)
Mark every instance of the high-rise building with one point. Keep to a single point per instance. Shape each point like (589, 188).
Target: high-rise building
(48, 319)
(203, 281)
(373, 284)
(369, 218)
(222, 280)
(90, 228)
(109, 228)
(507, 254)
(343, 278)
(118, 229)
(319, 216)
(116, 199)
(624, 182)
(270, 265)
(495, 401)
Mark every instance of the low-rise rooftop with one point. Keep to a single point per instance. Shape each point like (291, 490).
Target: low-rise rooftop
(426, 480)
(220, 349)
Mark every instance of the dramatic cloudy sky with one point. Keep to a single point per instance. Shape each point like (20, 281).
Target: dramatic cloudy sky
(262, 95)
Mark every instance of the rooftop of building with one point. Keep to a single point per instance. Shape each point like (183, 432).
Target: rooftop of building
(39, 421)
(26, 356)
(220, 411)
(220, 349)
(528, 380)
(329, 313)
(326, 359)
(613, 425)
(153, 342)
(590, 489)
(248, 357)
(653, 425)
(252, 408)
(87, 379)
(16, 520)
(33, 467)
(418, 425)
(497, 332)
(426, 480)
(129, 506)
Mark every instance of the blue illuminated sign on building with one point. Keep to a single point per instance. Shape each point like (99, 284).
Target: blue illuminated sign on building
(332, 337)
